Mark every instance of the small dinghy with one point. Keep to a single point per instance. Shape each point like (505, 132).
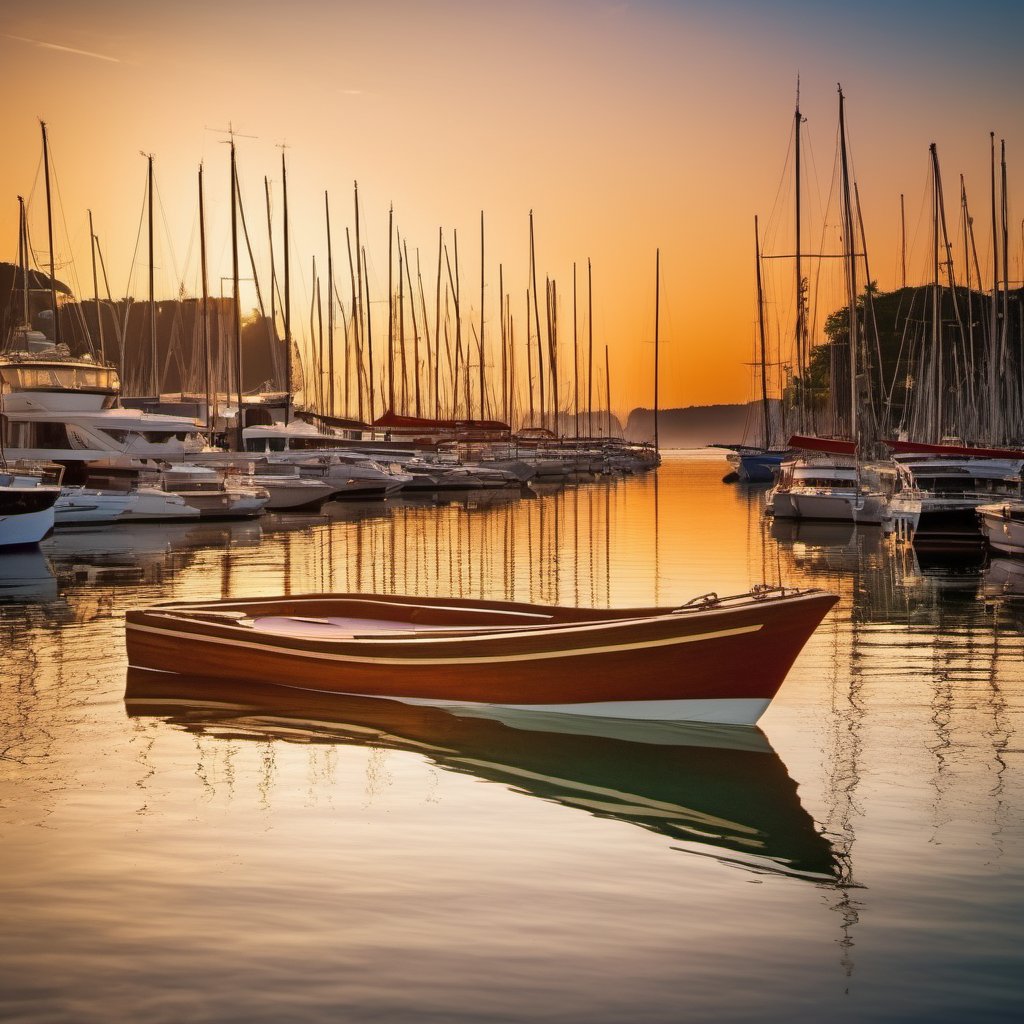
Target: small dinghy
(714, 659)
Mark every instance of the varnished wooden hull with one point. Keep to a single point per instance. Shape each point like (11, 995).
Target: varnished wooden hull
(723, 662)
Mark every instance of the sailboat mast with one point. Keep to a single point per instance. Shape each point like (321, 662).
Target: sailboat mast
(903, 243)
(207, 374)
(391, 312)
(536, 315)
(801, 316)
(608, 389)
(96, 289)
(936, 327)
(437, 328)
(851, 266)
(273, 278)
(236, 303)
(483, 395)
(657, 314)
(369, 342)
(590, 351)
(575, 361)
(287, 299)
(49, 235)
(154, 373)
(330, 308)
(762, 338)
(362, 311)
(23, 261)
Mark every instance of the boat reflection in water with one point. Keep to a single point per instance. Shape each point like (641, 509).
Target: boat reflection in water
(722, 791)
(26, 576)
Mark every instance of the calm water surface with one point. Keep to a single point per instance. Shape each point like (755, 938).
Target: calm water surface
(173, 852)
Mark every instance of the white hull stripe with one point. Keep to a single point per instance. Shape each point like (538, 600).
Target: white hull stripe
(414, 661)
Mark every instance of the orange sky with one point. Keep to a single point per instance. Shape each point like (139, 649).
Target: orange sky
(624, 126)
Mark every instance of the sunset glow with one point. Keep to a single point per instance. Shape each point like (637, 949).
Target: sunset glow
(623, 127)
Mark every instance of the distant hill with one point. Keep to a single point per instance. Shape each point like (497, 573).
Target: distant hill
(694, 426)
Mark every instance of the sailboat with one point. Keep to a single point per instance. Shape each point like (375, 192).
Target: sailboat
(829, 480)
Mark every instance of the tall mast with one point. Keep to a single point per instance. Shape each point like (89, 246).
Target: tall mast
(369, 342)
(207, 374)
(437, 328)
(23, 260)
(801, 316)
(851, 267)
(761, 336)
(415, 328)
(657, 312)
(903, 243)
(590, 351)
(575, 361)
(273, 280)
(330, 308)
(529, 360)
(391, 313)
(553, 353)
(154, 372)
(96, 289)
(504, 345)
(995, 255)
(483, 396)
(237, 304)
(936, 327)
(49, 235)
(608, 389)
(354, 326)
(362, 311)
(1004, 217)
(536, 314)
(287, 299)
(401, 328)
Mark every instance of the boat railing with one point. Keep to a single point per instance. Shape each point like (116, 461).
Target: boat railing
(759, 592)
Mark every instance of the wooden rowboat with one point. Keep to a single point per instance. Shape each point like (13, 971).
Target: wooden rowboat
(711, 660)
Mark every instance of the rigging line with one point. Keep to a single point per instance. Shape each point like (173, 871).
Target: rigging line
(178, 277)
(70, 264)
(775, 214)
(138, 239)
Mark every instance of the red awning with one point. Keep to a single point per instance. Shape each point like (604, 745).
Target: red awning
(831, 445)
(954, 450)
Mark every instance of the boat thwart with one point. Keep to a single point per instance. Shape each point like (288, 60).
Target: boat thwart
(713, 659)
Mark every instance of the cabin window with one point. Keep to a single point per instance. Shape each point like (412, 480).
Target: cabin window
(277, 444)
(255, 444)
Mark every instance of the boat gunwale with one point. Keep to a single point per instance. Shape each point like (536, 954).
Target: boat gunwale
(203, 623)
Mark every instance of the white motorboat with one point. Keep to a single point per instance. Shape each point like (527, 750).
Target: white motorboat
(27, 497)
(1003, 526)
(212, 494)
(953, 482)
(65, 408)
(81, 505)
(832, 488)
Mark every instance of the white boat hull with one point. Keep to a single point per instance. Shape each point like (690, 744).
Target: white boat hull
(152, 504)
(867, 509)
(1003, 532)
(25, 528)
(80, 505)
